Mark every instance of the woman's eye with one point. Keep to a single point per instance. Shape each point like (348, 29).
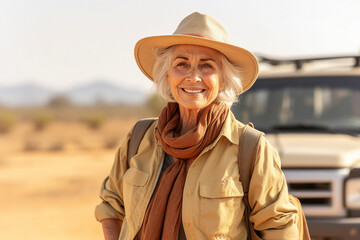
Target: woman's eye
(182, 65)
(206, 66)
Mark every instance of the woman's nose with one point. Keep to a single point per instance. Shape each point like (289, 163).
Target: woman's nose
(193, 75)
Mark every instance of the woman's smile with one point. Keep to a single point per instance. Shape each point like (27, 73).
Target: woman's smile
(193, 91)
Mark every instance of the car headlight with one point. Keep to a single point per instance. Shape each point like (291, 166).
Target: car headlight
(352, 193)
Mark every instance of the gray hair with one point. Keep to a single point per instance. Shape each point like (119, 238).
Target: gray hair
(231, 77)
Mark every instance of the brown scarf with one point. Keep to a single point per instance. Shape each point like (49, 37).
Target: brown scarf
(163, 215)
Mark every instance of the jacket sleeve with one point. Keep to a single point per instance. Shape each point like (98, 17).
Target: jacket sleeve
(272, 213)
(111, 193)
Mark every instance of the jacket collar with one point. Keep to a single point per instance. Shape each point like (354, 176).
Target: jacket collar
(230, 130)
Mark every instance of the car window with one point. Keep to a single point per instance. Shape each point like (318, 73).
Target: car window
(290, 102)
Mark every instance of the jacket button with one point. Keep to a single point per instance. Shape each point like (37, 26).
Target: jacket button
(188, 193)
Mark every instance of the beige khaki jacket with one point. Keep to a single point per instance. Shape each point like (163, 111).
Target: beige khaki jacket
(212, 199)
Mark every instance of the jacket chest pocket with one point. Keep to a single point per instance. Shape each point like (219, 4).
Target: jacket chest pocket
(135, 182)
(221, 207)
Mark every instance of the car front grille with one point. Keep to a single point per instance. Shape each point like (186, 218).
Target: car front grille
(319, 191)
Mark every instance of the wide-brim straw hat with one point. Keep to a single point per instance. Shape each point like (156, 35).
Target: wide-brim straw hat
(203, 30)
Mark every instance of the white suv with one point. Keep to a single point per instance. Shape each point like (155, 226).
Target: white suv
(310, 111)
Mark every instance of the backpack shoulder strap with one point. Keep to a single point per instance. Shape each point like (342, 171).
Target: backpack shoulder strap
(138, 133)
(246, 156)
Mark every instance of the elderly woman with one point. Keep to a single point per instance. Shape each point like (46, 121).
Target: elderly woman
(183, 183)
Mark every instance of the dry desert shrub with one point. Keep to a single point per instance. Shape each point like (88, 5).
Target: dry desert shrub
(56, 146)
(31, 144)
(95, 120)
(42, 129)
(36, 143)
(7, 121)
(42, 120)
(155, 104)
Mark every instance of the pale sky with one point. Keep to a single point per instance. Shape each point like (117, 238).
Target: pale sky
(65, 43)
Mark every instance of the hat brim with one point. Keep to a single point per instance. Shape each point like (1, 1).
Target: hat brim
(246, 61)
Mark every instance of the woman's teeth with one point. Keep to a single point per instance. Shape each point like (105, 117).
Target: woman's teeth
(192, 91)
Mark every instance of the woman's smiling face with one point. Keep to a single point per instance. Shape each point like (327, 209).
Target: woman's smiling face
(194, 76)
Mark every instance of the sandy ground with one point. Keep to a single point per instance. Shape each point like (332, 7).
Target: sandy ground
(51, 194)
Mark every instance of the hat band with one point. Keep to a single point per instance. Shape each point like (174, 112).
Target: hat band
(198, 35)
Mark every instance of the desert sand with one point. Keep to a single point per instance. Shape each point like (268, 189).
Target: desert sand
(50, 179)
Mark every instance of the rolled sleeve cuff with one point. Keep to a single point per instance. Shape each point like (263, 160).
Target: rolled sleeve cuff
(288, 233)
(104, 211)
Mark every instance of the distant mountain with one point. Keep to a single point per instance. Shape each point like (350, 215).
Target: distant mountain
(96, 92)
(104, 92)
(25, 95)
